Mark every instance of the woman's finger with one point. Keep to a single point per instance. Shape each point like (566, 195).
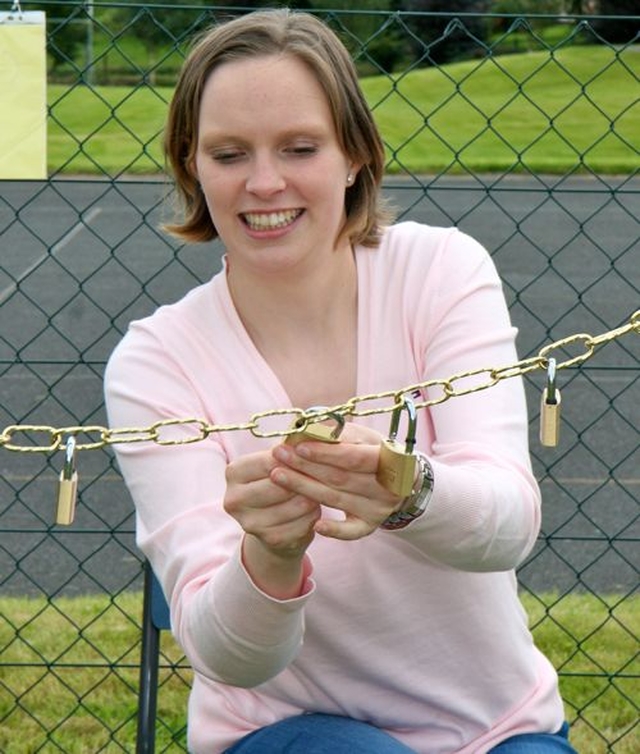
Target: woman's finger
(348, 530)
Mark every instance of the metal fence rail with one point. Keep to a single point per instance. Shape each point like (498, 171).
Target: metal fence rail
(81, 256)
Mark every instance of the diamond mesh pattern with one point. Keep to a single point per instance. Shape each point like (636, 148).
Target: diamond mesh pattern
(82, 256)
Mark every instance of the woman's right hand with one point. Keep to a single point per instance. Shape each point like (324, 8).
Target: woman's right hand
(278, 524)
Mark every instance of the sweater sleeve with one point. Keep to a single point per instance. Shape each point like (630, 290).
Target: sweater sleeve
(484, 514)
(230, 630)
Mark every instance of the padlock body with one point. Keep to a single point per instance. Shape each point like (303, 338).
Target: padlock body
(67, 494)
(396, 468)
(550, 419)
(314, 433)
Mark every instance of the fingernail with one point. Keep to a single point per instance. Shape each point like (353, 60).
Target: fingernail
(279, 477)
(282, 453)
(303, 450)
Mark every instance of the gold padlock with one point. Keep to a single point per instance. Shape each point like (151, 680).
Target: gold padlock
(550, 409)
(397, 463)
(316, 431)
(67, 486)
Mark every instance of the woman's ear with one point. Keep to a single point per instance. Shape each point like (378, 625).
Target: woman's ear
(190, 167)
(352, 174)
(190, 163)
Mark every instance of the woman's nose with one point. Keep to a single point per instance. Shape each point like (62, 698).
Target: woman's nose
(265, 177)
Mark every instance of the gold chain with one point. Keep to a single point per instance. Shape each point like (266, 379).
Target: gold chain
(455, 386)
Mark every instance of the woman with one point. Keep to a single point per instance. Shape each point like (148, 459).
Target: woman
(320, 611)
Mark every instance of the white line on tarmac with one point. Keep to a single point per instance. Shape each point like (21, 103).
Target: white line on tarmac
(68, 236)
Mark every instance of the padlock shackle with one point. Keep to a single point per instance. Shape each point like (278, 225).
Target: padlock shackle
(337, 417)
(69, 458)
(550, 392)
(410, 407)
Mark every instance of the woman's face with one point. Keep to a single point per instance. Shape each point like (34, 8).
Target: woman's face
(269, 163)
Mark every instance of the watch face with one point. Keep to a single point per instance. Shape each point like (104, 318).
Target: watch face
(416, 504)
(397, 521)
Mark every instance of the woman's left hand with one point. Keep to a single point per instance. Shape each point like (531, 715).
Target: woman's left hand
(340, 476)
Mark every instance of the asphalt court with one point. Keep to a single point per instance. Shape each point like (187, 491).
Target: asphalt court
(87, 257)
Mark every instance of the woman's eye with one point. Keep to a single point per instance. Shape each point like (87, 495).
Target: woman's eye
(302, 149)
(227, 155)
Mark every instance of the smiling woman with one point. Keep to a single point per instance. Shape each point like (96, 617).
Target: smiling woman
(266, 145)
(324, 608)
(346, 118)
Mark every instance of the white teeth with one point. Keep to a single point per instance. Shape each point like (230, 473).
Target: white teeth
(271, 220)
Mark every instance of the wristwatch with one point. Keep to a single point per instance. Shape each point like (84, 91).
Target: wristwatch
(416, 504)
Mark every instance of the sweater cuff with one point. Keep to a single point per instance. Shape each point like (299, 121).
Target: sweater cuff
(240, 601)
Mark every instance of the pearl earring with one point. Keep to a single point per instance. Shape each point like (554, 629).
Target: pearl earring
(349, 179)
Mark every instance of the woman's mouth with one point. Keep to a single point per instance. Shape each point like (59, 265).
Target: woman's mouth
(270, 220)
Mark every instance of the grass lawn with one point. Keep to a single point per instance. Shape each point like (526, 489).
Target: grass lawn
(577, 109)
(68, 673)
(574, 110)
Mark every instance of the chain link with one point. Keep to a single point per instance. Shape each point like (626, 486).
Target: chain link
(197, 430)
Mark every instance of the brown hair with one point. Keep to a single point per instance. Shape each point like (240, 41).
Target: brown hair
(273, 32)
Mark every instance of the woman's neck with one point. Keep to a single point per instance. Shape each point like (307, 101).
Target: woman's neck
(290, 303)
(305, 328)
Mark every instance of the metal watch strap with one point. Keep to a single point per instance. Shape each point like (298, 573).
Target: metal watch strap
(416, 504)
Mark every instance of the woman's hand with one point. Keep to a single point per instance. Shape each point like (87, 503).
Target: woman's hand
(278, 522)
(340, 476)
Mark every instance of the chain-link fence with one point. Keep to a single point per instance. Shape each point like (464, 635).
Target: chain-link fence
(522, 131)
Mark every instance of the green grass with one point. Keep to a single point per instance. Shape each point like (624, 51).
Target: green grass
(530, 111)
(593, 643)
(576, 110)
(69, 677)
(68, 673)
(104, 129)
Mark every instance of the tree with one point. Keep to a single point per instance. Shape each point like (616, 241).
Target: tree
(617, 30)
(158, 27)
(442, 38)
(528, 7)
(370, 35)
(67, 29)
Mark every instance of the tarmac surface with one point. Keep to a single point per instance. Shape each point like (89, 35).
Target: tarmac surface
(80, 259)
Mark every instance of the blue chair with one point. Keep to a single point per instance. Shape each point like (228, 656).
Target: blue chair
(155, 618)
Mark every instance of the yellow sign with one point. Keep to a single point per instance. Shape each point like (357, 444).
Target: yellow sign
(23, 95)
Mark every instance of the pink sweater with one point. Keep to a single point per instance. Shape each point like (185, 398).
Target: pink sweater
(417, 631)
